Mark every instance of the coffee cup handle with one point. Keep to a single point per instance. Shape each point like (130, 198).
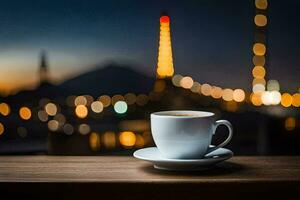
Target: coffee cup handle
(230, 129)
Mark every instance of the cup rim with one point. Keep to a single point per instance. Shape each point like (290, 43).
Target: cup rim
(197, 114)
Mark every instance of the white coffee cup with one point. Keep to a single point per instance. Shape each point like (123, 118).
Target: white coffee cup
(184, 134)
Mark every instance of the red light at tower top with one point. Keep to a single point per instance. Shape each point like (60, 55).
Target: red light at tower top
(164, 19)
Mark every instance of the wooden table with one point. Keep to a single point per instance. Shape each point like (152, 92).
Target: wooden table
(115, 177)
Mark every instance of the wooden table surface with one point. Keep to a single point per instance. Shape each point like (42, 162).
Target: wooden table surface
(119, 177)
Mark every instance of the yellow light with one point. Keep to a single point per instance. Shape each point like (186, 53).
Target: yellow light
(216, 92)
(159, 85)
(84, 129)
(95, 141)
(4, 109)
(42, 115)
(97, 106)
(117, 98)
(260, 20)
(127, 138)
(261, 4)
(80, 100)
(227, 94)
(130, 98)
(259, 72)
(286, 100)
(176, 80)
(51, 109)
(290, 123)
(238, 95)
(25, 113)
(271, 98)
(142, 99)
(259, 49)
(165, 60)
(256, 99)
(186, 82)
(206, 89)
(196, 87)
(109, 140)
(2, 129)
(53, 125)
(106, 100)
(81, 111)
(296, 100)
(259, 60)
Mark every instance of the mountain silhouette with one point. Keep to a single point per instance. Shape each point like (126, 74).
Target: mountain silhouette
(111, 79)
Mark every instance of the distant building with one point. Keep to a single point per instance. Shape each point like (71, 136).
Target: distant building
(43, 69)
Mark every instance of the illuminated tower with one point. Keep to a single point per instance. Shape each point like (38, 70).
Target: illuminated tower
(43, 72)
(165, 60)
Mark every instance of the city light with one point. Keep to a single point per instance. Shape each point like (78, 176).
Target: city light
(105, 100)
(42, 115)
(51, 109)
(25, 113)
(260, 20)
(290, 123)
(259, 49)
(84, 129)
(227, 94)
(97, 106)
(60, 118)
(206, 89)
(256, 99)
(95, 141)
(127, 138)
(216, 92)
(81, 111)
(4, 109)
(261, 4)
(196, 87)
(120, 107)
(68, 129)
(165, 60)
(53, 125)
(273, 85)
(2, 129)
(176, 79)
(286, 100)
(117, 98)
(259, 72)
(80, 100)
(186, 82)
(296, 100)
(238, 95)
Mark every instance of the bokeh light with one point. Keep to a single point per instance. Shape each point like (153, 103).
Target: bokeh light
(117, 98)
(25, 113)
(257, 81)
(296, 100)
(80, 100)
(109, 140)
(120, 107)
(53, 125)
(290, 123)
(60, 118)
(238, 95)
(258, 88)
(68, 129)
(216, 92)
(259, 49)
(259, 60)
(84, 129)
(105, 100)
(260, 20)
(286, 100)
(227, 94)
(130, 98)
(206, 89)
(2, 128)
(95, 141)
(97, 106)
(81, 111)
(261, 4)
(259, 72)
(142, 99)
(51, 109)
(256, 99)
(176, 80)
(186, 82)
(127, 138)
(273, 85)
(196, 87)
(4, 109)
(42, 115)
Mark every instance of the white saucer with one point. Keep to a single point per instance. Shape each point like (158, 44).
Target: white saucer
(152, 155)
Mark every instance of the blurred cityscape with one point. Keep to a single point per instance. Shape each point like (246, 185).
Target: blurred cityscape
(106, 110)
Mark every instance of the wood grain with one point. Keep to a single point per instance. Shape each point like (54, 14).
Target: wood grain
(71, 176)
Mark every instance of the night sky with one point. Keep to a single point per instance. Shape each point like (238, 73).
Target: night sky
(212, 39)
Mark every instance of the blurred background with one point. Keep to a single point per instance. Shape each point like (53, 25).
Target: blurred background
(82, 77)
